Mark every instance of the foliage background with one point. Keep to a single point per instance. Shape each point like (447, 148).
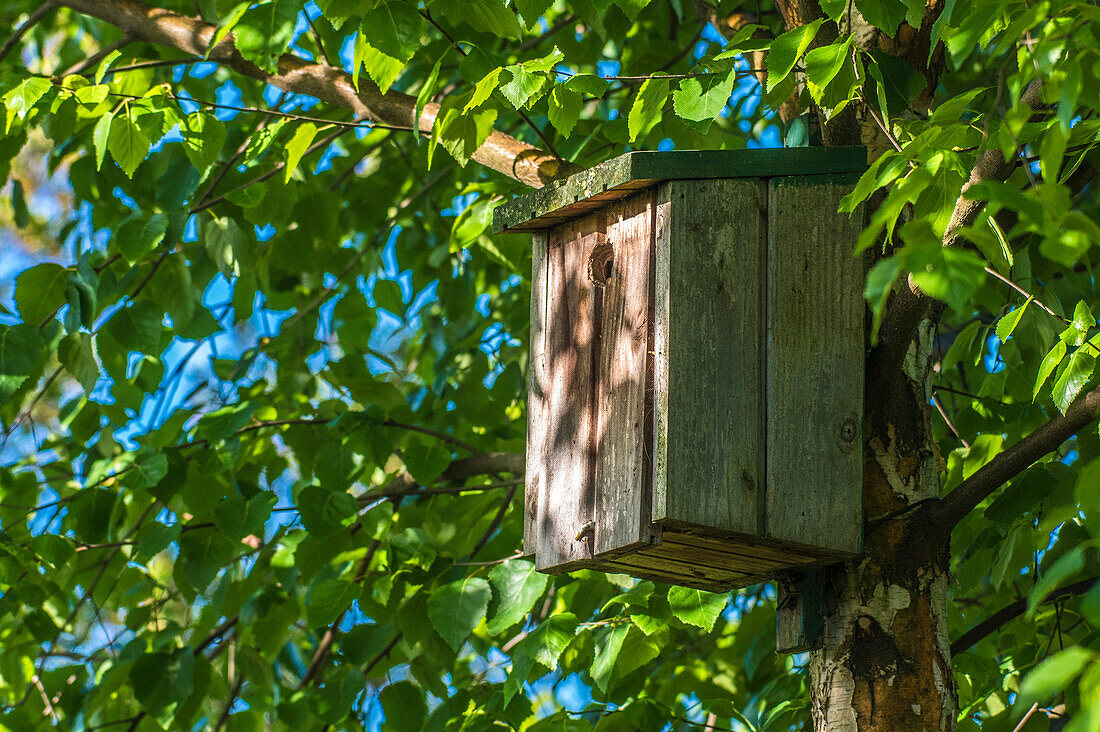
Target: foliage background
(262, 366)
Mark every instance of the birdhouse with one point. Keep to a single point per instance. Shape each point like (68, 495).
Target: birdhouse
(696, 368)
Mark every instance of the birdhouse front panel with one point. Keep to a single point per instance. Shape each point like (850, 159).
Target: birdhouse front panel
(695, 381)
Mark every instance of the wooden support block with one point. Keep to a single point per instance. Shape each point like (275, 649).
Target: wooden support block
(798, 620)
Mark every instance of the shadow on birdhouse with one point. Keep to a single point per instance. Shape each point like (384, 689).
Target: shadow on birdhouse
(696, 371)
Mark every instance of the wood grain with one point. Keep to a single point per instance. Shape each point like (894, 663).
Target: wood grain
(566, 502)
(622, 472)
(709, 379)
(538, 385)
(814, 367)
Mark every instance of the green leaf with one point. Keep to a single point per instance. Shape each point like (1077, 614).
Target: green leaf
(489, 16)
(523, 86)
(224, 242)
(462, 134)
(22, 349)
(100, 135)
(238, 518)
(162, 681)
(1049, 363)
(886, 15)
(483, 90)
(324, 511)
(225, 27)
(404, 706)
(395, 29)
(1054, 675)
(1077, 372)
(128, 144)
(702, 98)
(428, 88)
(104, 65)
(328, 600)
(154, 538)
(834, 9)
(1068, 565)
(531, 10)
(822, 66)
(696, 607)
(589, 84)
(22, 99)
(137, 327)
(297, 146)
(264, 32)
(950, 274)
(564, 108)
(40, 291)
(339, 12)
(202, 554)
(1008, 323)
(426, 462)
(147, 469)
(139, 236)
(516, 587)
(607, 654)
(787, 49)
(91, 512)
(648, 106)
(457, 608)
(631, 8)
(382, 68)
(77, 354)
(203, 139)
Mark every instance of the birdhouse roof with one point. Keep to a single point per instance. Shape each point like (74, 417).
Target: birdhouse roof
(616, 178)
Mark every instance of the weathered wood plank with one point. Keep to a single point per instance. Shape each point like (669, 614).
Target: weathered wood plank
(538, 386)
(567, 500)
(814, 374)
(622, 469)
(708, 388)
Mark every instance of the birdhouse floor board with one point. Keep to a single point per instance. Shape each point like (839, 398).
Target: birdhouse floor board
(718, 556)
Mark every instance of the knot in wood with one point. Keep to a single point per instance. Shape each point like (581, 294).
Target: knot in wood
(849, 429)
(600, 263)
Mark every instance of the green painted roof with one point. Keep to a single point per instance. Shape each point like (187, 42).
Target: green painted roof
(593, 188)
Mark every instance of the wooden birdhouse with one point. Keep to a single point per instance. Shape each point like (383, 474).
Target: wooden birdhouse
(696, 369)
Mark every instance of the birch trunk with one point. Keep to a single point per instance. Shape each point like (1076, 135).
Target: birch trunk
(885, 664)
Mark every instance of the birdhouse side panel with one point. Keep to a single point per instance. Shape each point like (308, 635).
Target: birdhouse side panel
(567, 491)
(623, 475)
(814, 366)
(709, 378)
(537, 388)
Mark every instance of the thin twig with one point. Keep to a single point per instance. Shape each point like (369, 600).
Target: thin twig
(950, 424)
(36, 15)
(82, 66)
(552, 30)
(322, 143)
(1027, 716)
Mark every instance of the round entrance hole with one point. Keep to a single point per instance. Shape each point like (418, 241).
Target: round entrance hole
(601, 263)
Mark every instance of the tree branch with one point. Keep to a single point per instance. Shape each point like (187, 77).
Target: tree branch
(1010, 463)
(503, 153)
(1010, 612)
